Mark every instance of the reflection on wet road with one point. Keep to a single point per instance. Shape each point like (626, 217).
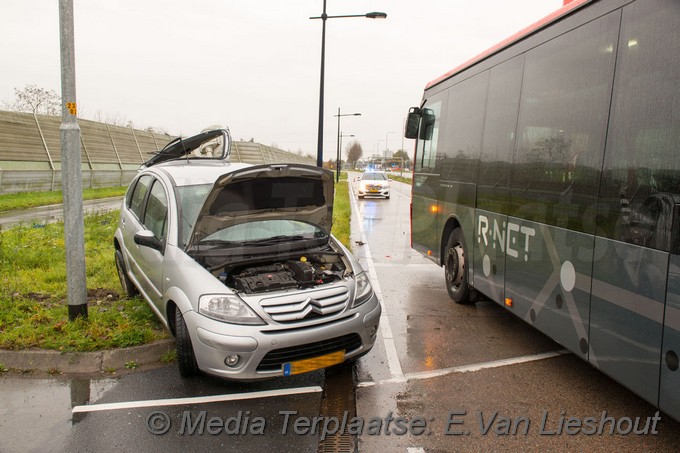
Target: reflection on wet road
(35, 414)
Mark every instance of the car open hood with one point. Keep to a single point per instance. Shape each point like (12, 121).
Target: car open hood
(210, 144)
(267, 192)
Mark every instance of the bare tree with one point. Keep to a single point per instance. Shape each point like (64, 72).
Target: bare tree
(354, 154)
(116, 119)
(33, 99)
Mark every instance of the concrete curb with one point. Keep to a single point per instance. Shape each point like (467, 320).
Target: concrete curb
(85, 362)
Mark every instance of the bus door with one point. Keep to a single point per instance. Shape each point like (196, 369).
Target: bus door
(425, 200)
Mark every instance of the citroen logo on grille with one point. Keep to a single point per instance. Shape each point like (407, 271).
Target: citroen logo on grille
(313, 304)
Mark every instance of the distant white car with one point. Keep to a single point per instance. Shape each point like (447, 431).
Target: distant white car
(238, 262)
(374, 184)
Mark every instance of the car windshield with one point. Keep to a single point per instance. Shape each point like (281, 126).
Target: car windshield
(263, 232)
(191, 199)
(374, 176)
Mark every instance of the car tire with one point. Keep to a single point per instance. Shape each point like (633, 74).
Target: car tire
(128, 287)
(387, 197)
(455, 269)
(186, 359)
(361, 197)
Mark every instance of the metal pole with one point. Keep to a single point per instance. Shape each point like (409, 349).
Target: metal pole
(337, 160)
(319, 148)
(71, 173)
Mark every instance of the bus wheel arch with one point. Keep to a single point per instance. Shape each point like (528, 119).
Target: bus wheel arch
(456, 265)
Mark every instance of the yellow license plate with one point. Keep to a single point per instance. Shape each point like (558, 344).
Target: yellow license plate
(315, 363)
(374, 191)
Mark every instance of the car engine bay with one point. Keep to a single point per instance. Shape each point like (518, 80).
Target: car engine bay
(257, 275)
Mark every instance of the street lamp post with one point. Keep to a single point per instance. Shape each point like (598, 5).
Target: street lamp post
(387, 148)
(337, 161)
(340, 163)
(323, 17)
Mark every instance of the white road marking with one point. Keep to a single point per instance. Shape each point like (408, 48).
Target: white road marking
(467, 368)
(415, 450)
(195, 400)
(388, 339)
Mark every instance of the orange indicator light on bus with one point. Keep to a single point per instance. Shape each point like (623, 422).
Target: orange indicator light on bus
(434, 209)
(508, 302)
(429, 253)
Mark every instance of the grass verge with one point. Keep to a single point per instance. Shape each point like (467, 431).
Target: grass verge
(33, 302)
(342, 211)
(401, 179)
(25, 200)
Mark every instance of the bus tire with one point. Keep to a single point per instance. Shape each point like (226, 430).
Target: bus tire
(455, 269)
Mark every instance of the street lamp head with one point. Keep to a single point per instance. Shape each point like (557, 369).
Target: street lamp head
(376, 15)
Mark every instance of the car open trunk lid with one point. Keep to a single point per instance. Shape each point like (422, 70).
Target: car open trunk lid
(212, 144)
(267, 192)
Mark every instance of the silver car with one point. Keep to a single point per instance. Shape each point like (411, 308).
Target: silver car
(239, 263)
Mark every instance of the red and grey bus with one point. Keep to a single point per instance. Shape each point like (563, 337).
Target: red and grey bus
(547, 178)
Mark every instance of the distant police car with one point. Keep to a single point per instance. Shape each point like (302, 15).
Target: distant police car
(374, 183)
(239, 263)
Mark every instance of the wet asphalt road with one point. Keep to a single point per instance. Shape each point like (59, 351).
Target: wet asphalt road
(433, 382)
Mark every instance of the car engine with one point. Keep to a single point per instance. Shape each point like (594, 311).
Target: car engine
(300, 273)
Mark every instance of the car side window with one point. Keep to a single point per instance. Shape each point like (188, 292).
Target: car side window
(136, 199)
(156, 212)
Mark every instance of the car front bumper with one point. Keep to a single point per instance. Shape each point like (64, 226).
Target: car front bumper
(354, 332)
(384, 192)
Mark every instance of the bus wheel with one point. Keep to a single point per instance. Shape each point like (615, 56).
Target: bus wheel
(455, 269)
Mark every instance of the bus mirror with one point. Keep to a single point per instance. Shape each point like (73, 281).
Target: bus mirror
(412, 122)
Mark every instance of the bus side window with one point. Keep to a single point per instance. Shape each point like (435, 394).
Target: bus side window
(427, 125)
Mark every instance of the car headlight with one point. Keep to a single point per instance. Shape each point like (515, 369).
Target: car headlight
(228, 309)
(363, 291)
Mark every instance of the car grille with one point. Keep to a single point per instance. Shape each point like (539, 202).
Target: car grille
(275, 359)
(306, 305)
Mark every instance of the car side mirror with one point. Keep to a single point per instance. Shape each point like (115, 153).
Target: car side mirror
(146, 238)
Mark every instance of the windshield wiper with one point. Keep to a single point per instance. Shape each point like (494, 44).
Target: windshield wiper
(274, 240)
(221, 242)
(255, 243)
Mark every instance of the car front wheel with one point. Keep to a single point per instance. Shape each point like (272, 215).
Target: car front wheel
(186, 360)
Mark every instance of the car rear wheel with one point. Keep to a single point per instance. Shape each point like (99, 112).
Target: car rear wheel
(125, 282)
(186, 360)
(455, 269)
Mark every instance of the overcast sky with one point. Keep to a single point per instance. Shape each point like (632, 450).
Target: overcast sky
(253, 65)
